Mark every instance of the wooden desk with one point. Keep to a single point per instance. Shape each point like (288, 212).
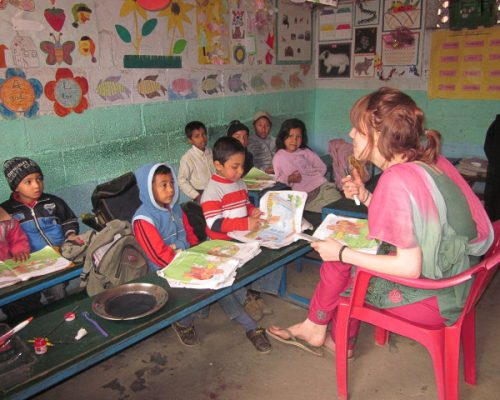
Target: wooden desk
(65, 360)
(11, 293)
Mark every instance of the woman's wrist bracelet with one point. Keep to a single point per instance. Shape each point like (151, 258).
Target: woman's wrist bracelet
(341, 251)
(368, 194)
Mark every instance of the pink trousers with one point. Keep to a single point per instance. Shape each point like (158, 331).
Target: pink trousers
(335, 277)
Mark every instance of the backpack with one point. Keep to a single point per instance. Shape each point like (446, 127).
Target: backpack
(113, 257)
(116, 199)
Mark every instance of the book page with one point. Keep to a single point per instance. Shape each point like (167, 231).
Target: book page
(257, 179)
(7, 276)
(243, 252)
(352, 232)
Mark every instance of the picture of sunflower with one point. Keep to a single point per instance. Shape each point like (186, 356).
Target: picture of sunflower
(176, 15)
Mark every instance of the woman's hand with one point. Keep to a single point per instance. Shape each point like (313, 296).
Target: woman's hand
(352, 185)
(328, 249)
(294, 177)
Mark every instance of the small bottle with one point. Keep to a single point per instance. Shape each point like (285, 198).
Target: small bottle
(40, 346)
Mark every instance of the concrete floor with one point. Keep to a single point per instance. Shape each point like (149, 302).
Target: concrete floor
(226, 367)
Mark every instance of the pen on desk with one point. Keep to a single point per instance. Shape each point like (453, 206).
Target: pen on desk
(14, 330)
(355, 197)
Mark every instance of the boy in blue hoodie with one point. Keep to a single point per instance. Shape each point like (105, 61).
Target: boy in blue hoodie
(161, 228)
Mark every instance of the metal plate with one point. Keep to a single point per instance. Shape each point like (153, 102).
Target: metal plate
(129, 301)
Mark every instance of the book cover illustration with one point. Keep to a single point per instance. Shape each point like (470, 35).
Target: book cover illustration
(282, 211)
(352, 232)
(210, 265)
(39, 263)
(257, 179)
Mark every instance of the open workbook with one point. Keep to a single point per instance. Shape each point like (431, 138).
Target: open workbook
(282, 211)
(352, 232)
(39, 263)
(257, 179)
(209, 265)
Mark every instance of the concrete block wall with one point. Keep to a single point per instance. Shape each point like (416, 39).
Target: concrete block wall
(81, 150)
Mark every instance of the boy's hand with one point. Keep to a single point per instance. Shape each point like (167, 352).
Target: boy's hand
(269, 170)
(173, 246)
(254, 222)
(294, 177)
(256, 212)
(20, 257)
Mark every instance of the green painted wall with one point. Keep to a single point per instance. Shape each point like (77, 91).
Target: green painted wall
(462, 123)
(78, 151)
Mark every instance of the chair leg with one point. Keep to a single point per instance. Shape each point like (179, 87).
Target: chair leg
(381, 336)
(437, 356)
(299, 264)
(341, 345)
(451, 361)
(469, 347)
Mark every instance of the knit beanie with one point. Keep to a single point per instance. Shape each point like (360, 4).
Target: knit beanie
(262, 114)
(235, 127)
(17, 168)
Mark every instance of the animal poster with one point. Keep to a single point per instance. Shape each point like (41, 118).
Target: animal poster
(364, 66)
(294, 33)
(465, 64)
(365, 41)
(402, 54)
(366, 12)
(397, 14)
(335, 23)
(48, 34)
(334, 60)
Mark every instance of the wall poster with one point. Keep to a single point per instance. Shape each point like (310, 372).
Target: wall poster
(335, 23)
(334, 60)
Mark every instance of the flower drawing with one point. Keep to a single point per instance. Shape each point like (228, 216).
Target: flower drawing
(18, 95)
(67, 92)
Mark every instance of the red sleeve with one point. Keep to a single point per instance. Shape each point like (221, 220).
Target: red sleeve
(190, 235)
(153, 245)
(17, 239)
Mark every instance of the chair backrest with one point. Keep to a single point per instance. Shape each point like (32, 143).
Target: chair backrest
(486, 270)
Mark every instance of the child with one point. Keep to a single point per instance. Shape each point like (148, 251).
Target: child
(161, 228)
(196, 164)
(13, 241)
(227, 208)
(298, 166)
(46, 219)
(261, 144)
(240, 132)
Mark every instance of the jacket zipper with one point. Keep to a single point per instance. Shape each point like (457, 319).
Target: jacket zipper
(40, 228)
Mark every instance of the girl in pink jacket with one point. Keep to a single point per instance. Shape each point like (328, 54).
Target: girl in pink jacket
(13, 241)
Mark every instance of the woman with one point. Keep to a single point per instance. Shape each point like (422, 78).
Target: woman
(421, 206)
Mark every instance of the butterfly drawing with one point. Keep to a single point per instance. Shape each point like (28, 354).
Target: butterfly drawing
(25, 5)
(57, 52)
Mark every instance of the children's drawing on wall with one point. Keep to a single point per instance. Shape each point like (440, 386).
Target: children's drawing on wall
(335, 23)
(294, 80)
(278, 81)
(182, 88)
(149, 87)
(57, 51)
(176, 15)
(86, 47)
(81, 14)
(212, 22)
(236, 82)
(367, 12)
(211, 84)
(24, 5)
(364, 66)
(112, 89)
(258, 82)
(400, 48)
(67, 92)
(365, 41)
(24, 52)
(334, 60)
(19, 95)
(293, 31)
(55, 17)
(405, 13)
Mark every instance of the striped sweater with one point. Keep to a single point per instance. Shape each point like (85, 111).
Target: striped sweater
(225, 206)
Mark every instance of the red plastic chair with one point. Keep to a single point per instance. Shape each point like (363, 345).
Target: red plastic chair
(443, 343)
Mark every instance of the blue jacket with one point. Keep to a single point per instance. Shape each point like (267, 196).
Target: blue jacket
(47, 223)
(167, 220)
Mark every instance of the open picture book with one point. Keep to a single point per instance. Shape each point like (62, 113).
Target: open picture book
(352, 232)
(209, 265)
(282, 211)
(39, 263)
(257, 179)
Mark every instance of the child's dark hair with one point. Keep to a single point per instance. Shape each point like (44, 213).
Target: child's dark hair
(226, 147)
(286, 127)
(162, 170)
(236, 126)
(192, 126)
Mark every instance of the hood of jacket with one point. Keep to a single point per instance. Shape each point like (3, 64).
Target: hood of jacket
(144, 176)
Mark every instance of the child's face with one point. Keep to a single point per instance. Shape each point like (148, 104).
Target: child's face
(232, 169)
(293, 140)
(30, 188)
(242, 137)
(163, 188)
(262, 127)
(199, 139)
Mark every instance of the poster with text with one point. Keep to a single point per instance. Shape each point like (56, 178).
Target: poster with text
(402, 54)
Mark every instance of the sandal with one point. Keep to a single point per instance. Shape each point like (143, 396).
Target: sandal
(293, 341)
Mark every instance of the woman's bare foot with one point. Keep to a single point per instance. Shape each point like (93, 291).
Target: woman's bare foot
(307, 330)
(330, 346)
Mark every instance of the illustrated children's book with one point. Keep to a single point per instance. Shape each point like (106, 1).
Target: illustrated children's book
(352, 232)
(210, 265)
(257, 179)
(39, 263)
(282, 211)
